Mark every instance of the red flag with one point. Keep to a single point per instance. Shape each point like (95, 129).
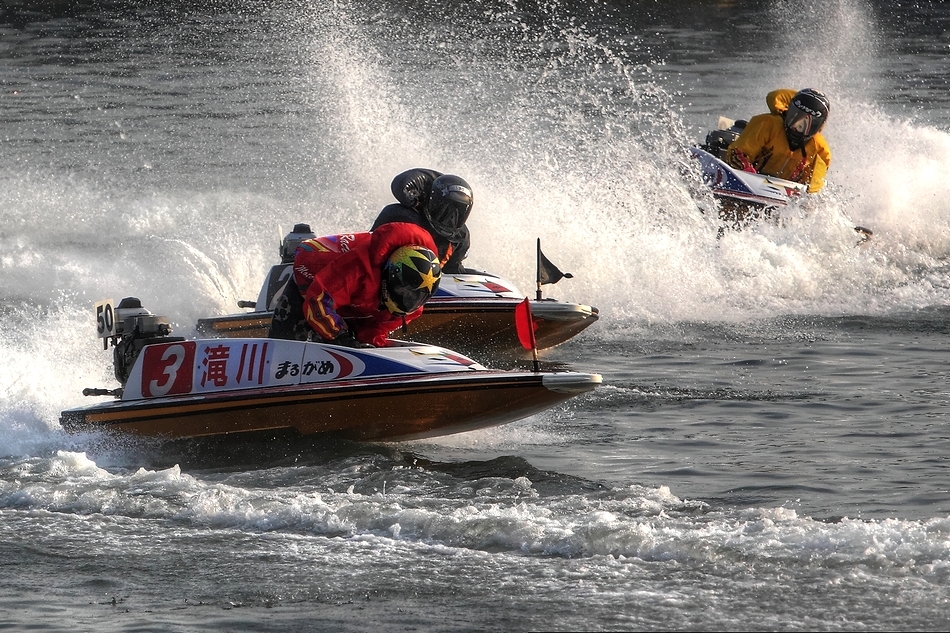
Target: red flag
(524, 325)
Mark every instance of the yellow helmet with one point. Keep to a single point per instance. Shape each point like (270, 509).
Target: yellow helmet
(410, 276)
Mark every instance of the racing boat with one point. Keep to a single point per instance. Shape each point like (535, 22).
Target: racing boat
(745, 197)
(173, 388)
(471, 312)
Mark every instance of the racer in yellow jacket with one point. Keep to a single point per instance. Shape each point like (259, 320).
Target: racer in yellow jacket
(786, 142)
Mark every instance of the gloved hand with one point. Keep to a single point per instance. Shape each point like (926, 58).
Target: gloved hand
(348, 339)
(745, 162)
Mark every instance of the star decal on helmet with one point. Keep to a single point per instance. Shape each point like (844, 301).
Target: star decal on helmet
(428, 280)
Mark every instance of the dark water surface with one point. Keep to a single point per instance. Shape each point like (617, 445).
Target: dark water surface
(768, 449)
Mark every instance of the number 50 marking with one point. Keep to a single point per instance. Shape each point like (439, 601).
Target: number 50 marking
(105, 319)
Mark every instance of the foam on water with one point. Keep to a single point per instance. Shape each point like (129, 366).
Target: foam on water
(581, 143)
(594, 169)
(492, 514)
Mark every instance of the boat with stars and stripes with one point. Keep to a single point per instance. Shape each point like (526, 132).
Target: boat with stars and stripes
(176, 388)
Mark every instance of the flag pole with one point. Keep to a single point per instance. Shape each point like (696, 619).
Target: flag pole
(538, 270)
(534, 342)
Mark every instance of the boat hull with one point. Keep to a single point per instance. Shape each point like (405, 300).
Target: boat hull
(471, 326)
(367, 410)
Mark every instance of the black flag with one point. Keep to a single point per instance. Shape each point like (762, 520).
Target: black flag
(548, 273)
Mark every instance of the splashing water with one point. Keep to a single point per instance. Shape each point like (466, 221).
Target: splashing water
(569, 123)
(167, 157)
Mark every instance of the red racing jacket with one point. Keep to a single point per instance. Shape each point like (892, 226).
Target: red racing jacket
(340, 278)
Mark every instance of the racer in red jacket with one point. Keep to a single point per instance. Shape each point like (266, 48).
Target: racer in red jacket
(358, 287)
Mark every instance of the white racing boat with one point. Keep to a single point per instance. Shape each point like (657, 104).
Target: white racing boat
(174, 388)
(724, 181)
(472, 312)
(745, 197)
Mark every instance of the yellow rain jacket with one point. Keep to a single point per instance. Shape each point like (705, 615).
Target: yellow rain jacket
(765, 146)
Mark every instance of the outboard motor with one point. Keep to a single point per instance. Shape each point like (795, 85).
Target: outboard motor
(281, 274)
(292, 240)
(136, 327)
(718, 141)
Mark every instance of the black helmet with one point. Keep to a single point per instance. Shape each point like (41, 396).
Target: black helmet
(805, 117)
(411, 275)
(449, 205)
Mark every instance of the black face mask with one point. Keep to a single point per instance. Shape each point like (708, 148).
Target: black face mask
(448, 218)
(796, 140)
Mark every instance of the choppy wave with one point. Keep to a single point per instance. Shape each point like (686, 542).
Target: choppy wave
(489, 514)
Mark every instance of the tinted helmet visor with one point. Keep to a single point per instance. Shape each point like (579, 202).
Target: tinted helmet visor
(449, 214)
(802, 123)
(407, 299)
